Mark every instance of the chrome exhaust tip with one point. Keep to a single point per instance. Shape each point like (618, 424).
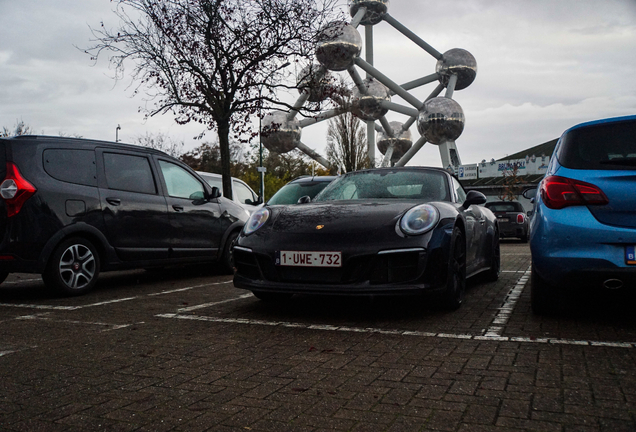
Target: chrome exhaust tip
(613, 284)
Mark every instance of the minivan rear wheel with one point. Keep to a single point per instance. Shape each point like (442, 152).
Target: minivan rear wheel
(73, 267)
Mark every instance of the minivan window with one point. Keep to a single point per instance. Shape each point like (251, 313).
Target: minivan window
(129, 173)
(610, 146)
(243, 194)
(180, 183)
(71, 165)
(214, 182)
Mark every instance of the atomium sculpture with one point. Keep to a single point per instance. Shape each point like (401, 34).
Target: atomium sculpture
(440, 119)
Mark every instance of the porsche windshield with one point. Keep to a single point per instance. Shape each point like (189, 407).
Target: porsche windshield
(418, 185)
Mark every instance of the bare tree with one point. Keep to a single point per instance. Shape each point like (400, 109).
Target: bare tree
(346, 143)
(160, 141)
(20, 128)
(212, 61)
(511, 183)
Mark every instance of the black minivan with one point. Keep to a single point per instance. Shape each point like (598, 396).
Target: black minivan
(73, 207)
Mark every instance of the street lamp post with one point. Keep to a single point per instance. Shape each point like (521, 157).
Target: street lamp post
(117, 129)
(261, 169)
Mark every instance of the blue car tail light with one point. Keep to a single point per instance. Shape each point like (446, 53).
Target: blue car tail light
(559, 192)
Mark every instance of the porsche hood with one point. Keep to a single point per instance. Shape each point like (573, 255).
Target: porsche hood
(344, 217)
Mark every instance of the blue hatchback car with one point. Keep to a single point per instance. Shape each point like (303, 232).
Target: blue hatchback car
(583, 234)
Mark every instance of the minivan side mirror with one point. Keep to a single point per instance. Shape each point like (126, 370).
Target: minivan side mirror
(304, 199)
(216, 193)
(474, 197)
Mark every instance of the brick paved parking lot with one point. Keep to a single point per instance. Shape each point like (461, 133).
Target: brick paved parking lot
(160, 351)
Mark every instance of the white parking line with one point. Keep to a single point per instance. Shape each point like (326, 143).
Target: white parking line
(332, 328)
(68, 308)
(206, 305)
(505, 311)
(72, 308)
(21, 281)
(188, 288)
(44, 317)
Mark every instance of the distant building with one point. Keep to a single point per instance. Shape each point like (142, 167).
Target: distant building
(488, 177)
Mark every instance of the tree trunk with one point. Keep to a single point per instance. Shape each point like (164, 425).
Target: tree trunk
(224, 145)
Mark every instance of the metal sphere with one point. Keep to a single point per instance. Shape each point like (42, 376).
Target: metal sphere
(279, 134)
(319, 85)
(339, 43)
(375, 10)
(460, 62)
(441, 120)
(401, 143)
(366, 105)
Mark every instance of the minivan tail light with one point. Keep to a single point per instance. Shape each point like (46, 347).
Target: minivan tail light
(15, 190)
(559, 192)
(520, 219)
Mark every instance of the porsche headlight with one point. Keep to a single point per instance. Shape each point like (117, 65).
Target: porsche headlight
(419, 219)
(257, 220)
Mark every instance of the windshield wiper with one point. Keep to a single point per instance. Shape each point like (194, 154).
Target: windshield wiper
(620, 161)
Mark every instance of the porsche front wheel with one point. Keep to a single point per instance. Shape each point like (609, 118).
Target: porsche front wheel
(492, 274)
(453, 294)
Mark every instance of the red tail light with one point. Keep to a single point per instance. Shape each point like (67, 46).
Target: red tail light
(520, 219)
(15, 190)
(559, 192)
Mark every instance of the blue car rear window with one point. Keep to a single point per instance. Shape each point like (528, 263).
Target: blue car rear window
(605, 146)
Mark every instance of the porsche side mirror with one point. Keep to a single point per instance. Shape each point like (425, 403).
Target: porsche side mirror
(474, 197)
(529, 193)
(304, 199)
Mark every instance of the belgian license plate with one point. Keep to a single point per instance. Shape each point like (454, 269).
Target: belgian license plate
(630, 255)
(504, 219)
(309, 259)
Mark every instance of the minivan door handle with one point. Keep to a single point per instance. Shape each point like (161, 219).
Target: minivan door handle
(113, 201)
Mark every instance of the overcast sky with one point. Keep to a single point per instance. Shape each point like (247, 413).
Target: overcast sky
(543, 66)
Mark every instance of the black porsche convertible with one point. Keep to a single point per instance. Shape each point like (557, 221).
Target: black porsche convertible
(382, 231)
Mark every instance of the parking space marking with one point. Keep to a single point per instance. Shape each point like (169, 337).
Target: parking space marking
(72, 308)
(333, 328)
(21, 281)
(206, 305)
(45, 317)
(188, 288)
(30, 306)
(67, 308)
(2, 353)
(505, 311)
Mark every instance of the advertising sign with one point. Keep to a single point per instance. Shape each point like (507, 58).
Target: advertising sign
(467, 172)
